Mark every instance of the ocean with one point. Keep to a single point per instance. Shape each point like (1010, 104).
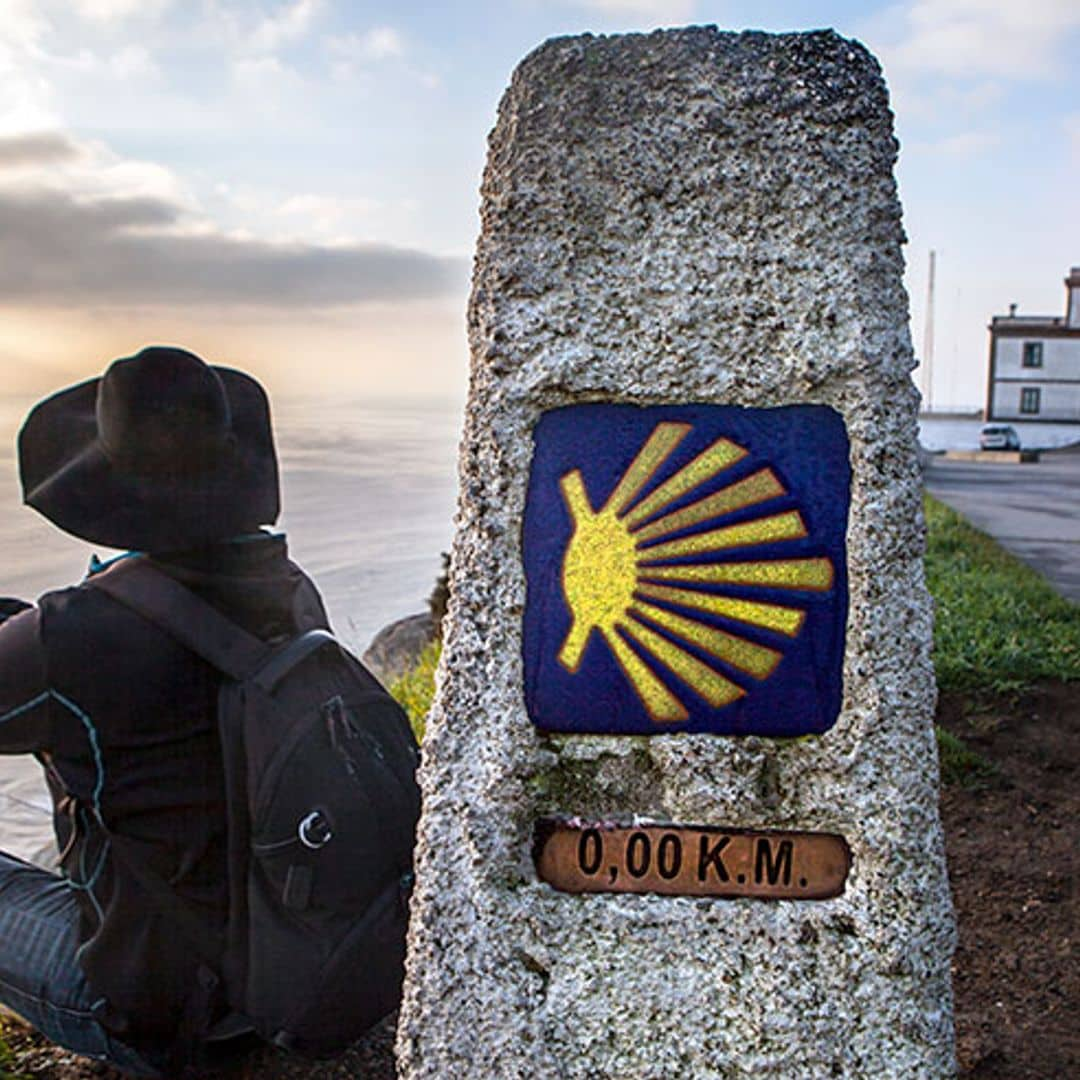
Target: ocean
(368, 493)
(368, 490)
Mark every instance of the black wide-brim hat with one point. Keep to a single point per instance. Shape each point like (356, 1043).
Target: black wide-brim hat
(161, 453)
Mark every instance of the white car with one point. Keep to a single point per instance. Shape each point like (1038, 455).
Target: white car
(998, 437)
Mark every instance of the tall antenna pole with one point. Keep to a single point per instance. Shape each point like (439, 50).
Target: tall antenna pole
(928, 337)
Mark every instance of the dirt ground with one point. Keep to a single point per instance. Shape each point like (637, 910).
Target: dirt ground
(1013, 843)
(1014, 854)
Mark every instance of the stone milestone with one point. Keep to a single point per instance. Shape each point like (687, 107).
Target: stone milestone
(680, 781)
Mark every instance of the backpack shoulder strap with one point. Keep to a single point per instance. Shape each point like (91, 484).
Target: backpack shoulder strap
(184, 616)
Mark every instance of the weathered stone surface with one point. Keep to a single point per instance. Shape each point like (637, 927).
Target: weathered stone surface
(686, 216)
(395, 649)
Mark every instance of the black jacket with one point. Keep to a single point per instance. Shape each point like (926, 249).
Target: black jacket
(124, 721)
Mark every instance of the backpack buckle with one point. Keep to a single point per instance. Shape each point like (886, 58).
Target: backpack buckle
(314, 830)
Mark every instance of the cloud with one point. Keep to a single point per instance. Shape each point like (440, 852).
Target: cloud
(325, 215)
(1071, 125)
(265, 75)
(256, 68)
(36, 148)
(660, 12)
(351, 53)
(929, 100)
(127, 63)
(83, 225)
(110, 10)
(87, 170)
(26, 99)
(289, 24)
(353, 57)
(22, 24)
(969, 38)
(61, 250)
(131, 62)
(43, 50)
(378, 43)
(965, 144)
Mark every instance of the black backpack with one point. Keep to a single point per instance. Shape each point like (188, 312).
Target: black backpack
(322, 808)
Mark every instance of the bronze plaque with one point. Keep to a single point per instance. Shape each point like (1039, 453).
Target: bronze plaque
(691, 860)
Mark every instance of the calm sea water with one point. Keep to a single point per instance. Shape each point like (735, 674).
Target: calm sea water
(368, 490)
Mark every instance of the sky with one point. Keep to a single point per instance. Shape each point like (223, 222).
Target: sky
(291, 186)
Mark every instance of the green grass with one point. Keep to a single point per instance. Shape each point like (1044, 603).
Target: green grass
(999, 626)
(415, 689)
(960, 764)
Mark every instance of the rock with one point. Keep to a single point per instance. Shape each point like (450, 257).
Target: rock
(395, 648)
(685, 217)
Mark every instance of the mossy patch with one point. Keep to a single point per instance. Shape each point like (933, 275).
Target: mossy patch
(415, 689)
(9, 1065)
(604, 786)
(960, 764)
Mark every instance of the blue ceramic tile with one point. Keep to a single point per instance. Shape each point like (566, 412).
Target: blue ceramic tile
(686, 569)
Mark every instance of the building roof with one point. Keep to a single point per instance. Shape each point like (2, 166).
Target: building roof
(1032, 326)
(1013, 325)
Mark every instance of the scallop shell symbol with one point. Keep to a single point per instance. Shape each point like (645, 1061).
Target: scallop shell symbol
(614, 568)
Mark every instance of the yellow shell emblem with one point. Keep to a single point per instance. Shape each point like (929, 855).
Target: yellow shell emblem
(613, 569)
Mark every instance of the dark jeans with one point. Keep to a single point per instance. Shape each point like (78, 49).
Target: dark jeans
(40, 978)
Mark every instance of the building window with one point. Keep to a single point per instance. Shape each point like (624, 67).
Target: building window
(1032, 355)
(1029, 399)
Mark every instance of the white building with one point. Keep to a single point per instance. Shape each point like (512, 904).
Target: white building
(1035, 363)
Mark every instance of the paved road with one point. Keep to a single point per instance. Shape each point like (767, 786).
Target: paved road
(1033, 510)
